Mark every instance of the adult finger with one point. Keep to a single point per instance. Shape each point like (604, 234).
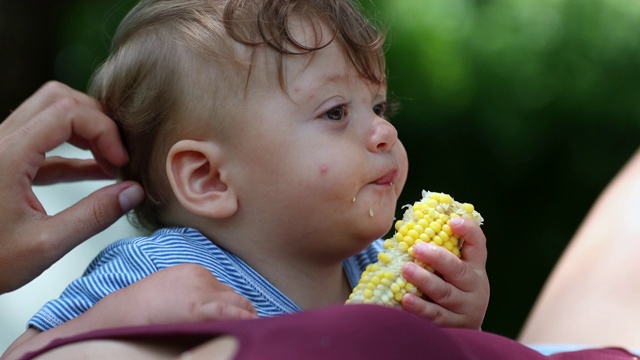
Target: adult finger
(69, 118)
(58, 169)
(44, 97)
(58, 123)
(224, 311)
(93, 214)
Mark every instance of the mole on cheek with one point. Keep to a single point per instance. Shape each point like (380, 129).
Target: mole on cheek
(324, 170)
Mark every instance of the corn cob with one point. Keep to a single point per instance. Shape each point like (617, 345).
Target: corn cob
(425, 221)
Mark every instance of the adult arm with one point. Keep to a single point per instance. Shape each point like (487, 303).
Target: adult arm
(592, 294)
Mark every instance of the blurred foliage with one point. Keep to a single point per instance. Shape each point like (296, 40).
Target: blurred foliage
(526, 108)
(85, 30)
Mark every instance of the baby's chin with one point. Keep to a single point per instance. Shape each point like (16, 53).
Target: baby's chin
(381, 229)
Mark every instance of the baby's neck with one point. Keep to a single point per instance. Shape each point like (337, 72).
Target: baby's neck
(309, 279)
(307, 286)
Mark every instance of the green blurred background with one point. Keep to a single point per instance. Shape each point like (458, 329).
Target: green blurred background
(526, 108)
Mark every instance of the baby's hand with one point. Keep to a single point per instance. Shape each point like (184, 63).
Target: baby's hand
(458, 294)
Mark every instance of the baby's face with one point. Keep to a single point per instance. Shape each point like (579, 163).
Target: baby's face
(318, 167)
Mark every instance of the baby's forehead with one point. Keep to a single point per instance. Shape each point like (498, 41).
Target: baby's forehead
(327, 66)
(303, 43)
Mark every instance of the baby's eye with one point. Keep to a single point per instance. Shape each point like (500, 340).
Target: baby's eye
(387, 109)
(336, 113)
(380, 109)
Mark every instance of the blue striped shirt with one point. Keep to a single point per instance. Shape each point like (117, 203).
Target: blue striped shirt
(129, 260)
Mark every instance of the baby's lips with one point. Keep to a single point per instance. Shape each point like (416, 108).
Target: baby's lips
(388, 179)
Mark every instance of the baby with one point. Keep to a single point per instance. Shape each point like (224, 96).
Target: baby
(258, 131)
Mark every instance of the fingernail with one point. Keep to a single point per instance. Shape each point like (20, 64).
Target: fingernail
(424, 247)
(409, 269)
(456, 221)
(130, 197)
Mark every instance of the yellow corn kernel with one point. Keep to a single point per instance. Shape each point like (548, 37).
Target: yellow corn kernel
(454, 240)
(408, 240)
(398, 225)
(394, 288)
(384, 257)
(387, 244)
(435, 226)
(424, 221)
(467, 207)
(370, 286)
(429, 232)
(456, 251)
(403, 246)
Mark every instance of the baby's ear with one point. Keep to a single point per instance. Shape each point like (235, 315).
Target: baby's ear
(194, 172)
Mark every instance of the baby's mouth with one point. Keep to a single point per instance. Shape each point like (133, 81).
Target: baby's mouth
(388, 179)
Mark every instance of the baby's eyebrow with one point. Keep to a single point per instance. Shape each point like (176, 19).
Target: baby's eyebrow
(326, 79)
(336, 77)
(330, 77)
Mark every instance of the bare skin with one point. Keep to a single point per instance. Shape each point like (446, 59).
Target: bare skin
(182, 293)
(591, 296)
(33, 240)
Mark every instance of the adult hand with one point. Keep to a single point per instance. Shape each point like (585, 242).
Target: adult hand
(177, 294)
(32, 240)
(183, 293)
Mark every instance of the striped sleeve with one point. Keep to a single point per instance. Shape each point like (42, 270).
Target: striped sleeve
(116, 267)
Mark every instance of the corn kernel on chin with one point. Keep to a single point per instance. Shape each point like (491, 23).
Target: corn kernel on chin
(426, 220)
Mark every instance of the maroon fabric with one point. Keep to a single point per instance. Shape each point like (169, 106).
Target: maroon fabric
(344, 332)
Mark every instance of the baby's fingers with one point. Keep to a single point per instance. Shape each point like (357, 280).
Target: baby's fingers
(432, 286)
(428, 310)
(445, 263)
(474, 248)
(441, 302)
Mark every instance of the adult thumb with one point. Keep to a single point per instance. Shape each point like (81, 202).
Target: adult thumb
(94, 213)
